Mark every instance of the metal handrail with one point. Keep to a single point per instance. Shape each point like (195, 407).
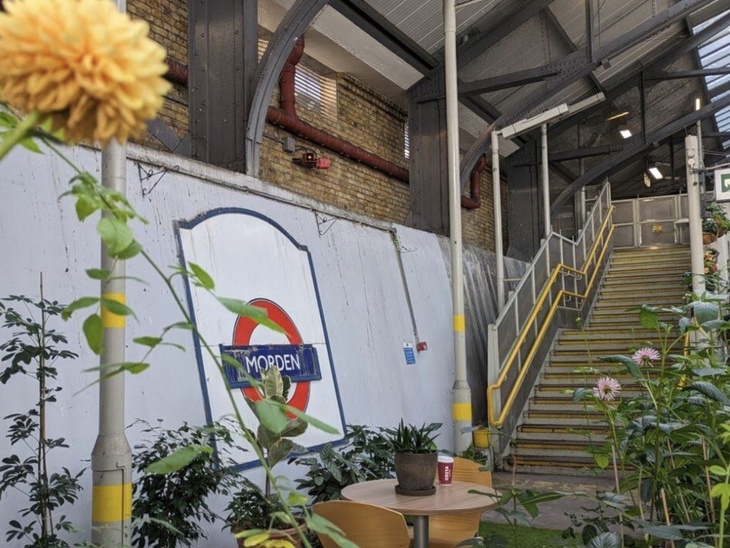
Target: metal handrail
(546, 324)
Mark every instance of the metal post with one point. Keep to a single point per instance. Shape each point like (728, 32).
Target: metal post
(497, 201)
(111, 459)
(545, 183)
(461, 408)
(695, 216)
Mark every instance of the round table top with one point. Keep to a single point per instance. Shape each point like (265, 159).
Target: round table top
(448, 499)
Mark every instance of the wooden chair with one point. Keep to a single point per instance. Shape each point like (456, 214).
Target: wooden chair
(448, 531)
(366, 525)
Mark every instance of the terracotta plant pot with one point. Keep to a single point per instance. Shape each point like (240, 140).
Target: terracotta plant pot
(708, 238)
(416, 472)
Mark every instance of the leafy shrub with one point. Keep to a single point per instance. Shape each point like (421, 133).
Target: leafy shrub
(168, 506)
(32, 351)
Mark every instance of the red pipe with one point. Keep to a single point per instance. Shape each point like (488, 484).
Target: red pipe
(475, 185)
(176, 73)
(286, 118)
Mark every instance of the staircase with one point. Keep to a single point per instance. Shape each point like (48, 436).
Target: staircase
(545, 440)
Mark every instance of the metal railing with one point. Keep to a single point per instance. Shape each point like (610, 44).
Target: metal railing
(561, 276)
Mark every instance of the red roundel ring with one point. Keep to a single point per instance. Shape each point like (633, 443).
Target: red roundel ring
(242, 337)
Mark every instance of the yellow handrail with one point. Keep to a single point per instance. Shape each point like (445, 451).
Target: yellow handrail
(533, 315)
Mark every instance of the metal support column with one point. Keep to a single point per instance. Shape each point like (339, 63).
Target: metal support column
(111, 458)
(461, 393)
(545, 181)
(497, 200)
(695, 215)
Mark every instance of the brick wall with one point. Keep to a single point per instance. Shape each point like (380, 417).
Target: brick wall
(363, 118)
(168, 20)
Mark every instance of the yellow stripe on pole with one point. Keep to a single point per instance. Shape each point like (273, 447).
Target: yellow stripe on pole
(111, 503)
(461, 411)
(109, 319)
(459, 323)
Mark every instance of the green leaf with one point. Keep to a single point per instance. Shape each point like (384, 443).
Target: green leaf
(115, 307)
(273, 383)
(271, 415)
(296, 499)
(295, 427)
(98, 274)
(135, 368)
(627, 362)
(7, 120)
(78, 304)
(311, 420)
(709, 390)
(203, 277)
(648, 317)
(93, 332)
(256, 313)
(116, 235)
(684, 324)
(130, 251)
(718, 470)
(601, 460)
(85, 206)
(580, 393)
(30, 144)
(148, 341)
(279, 450)
(666, 532)
(705, 311)
(605, 540)
(178, 460)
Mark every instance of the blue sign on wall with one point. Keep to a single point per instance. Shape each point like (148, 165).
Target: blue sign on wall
(299, 362)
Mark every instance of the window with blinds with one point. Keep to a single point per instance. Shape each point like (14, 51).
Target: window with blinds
(312, 91)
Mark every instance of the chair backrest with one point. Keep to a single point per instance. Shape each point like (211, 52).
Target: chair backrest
(468, 470)
(450, 530)
(364, 524)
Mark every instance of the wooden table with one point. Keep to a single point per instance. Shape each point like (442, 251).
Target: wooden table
(448, 499)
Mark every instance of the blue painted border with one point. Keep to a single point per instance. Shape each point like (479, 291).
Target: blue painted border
(187, 225)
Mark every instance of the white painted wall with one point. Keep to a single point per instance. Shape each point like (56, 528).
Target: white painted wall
(356, 264)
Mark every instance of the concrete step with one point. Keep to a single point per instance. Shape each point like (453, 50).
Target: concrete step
(597, 436)
(523, 462)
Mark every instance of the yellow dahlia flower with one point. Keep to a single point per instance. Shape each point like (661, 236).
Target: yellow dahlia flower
(82, 63)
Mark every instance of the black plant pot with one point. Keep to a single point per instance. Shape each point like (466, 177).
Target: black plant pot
(416, 473)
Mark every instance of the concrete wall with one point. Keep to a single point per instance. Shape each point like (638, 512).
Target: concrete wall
(364, 294)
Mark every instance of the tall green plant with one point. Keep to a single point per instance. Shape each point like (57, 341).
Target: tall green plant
(32, 352)
(672, 439)
(168, 508)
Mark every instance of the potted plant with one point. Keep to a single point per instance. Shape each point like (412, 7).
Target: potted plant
(254, 509)
(709, 228)
(718, 214)
(416, 458)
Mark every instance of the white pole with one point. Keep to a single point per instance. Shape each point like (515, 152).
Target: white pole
(111, 458)
(545, 182)
(695, 217)
(461, 394)
(497, 200)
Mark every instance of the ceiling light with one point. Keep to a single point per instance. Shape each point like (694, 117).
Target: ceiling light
(698, 103)
(656, 173)
(625, 132)
(647, 181)
(616, 116)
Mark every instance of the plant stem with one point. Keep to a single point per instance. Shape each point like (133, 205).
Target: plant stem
(13, 136)
(46, 523)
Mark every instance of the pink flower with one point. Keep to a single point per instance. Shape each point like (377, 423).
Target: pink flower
(645, 356)
(607, 389)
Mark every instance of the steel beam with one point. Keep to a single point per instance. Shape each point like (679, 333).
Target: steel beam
(615, 160)
(295, 22)
(576, 154)
(386, 33)
(497, 30)
(505, 81)
(578, 65)
(678, 74)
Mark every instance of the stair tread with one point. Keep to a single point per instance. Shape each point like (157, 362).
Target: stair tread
(551, 433)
